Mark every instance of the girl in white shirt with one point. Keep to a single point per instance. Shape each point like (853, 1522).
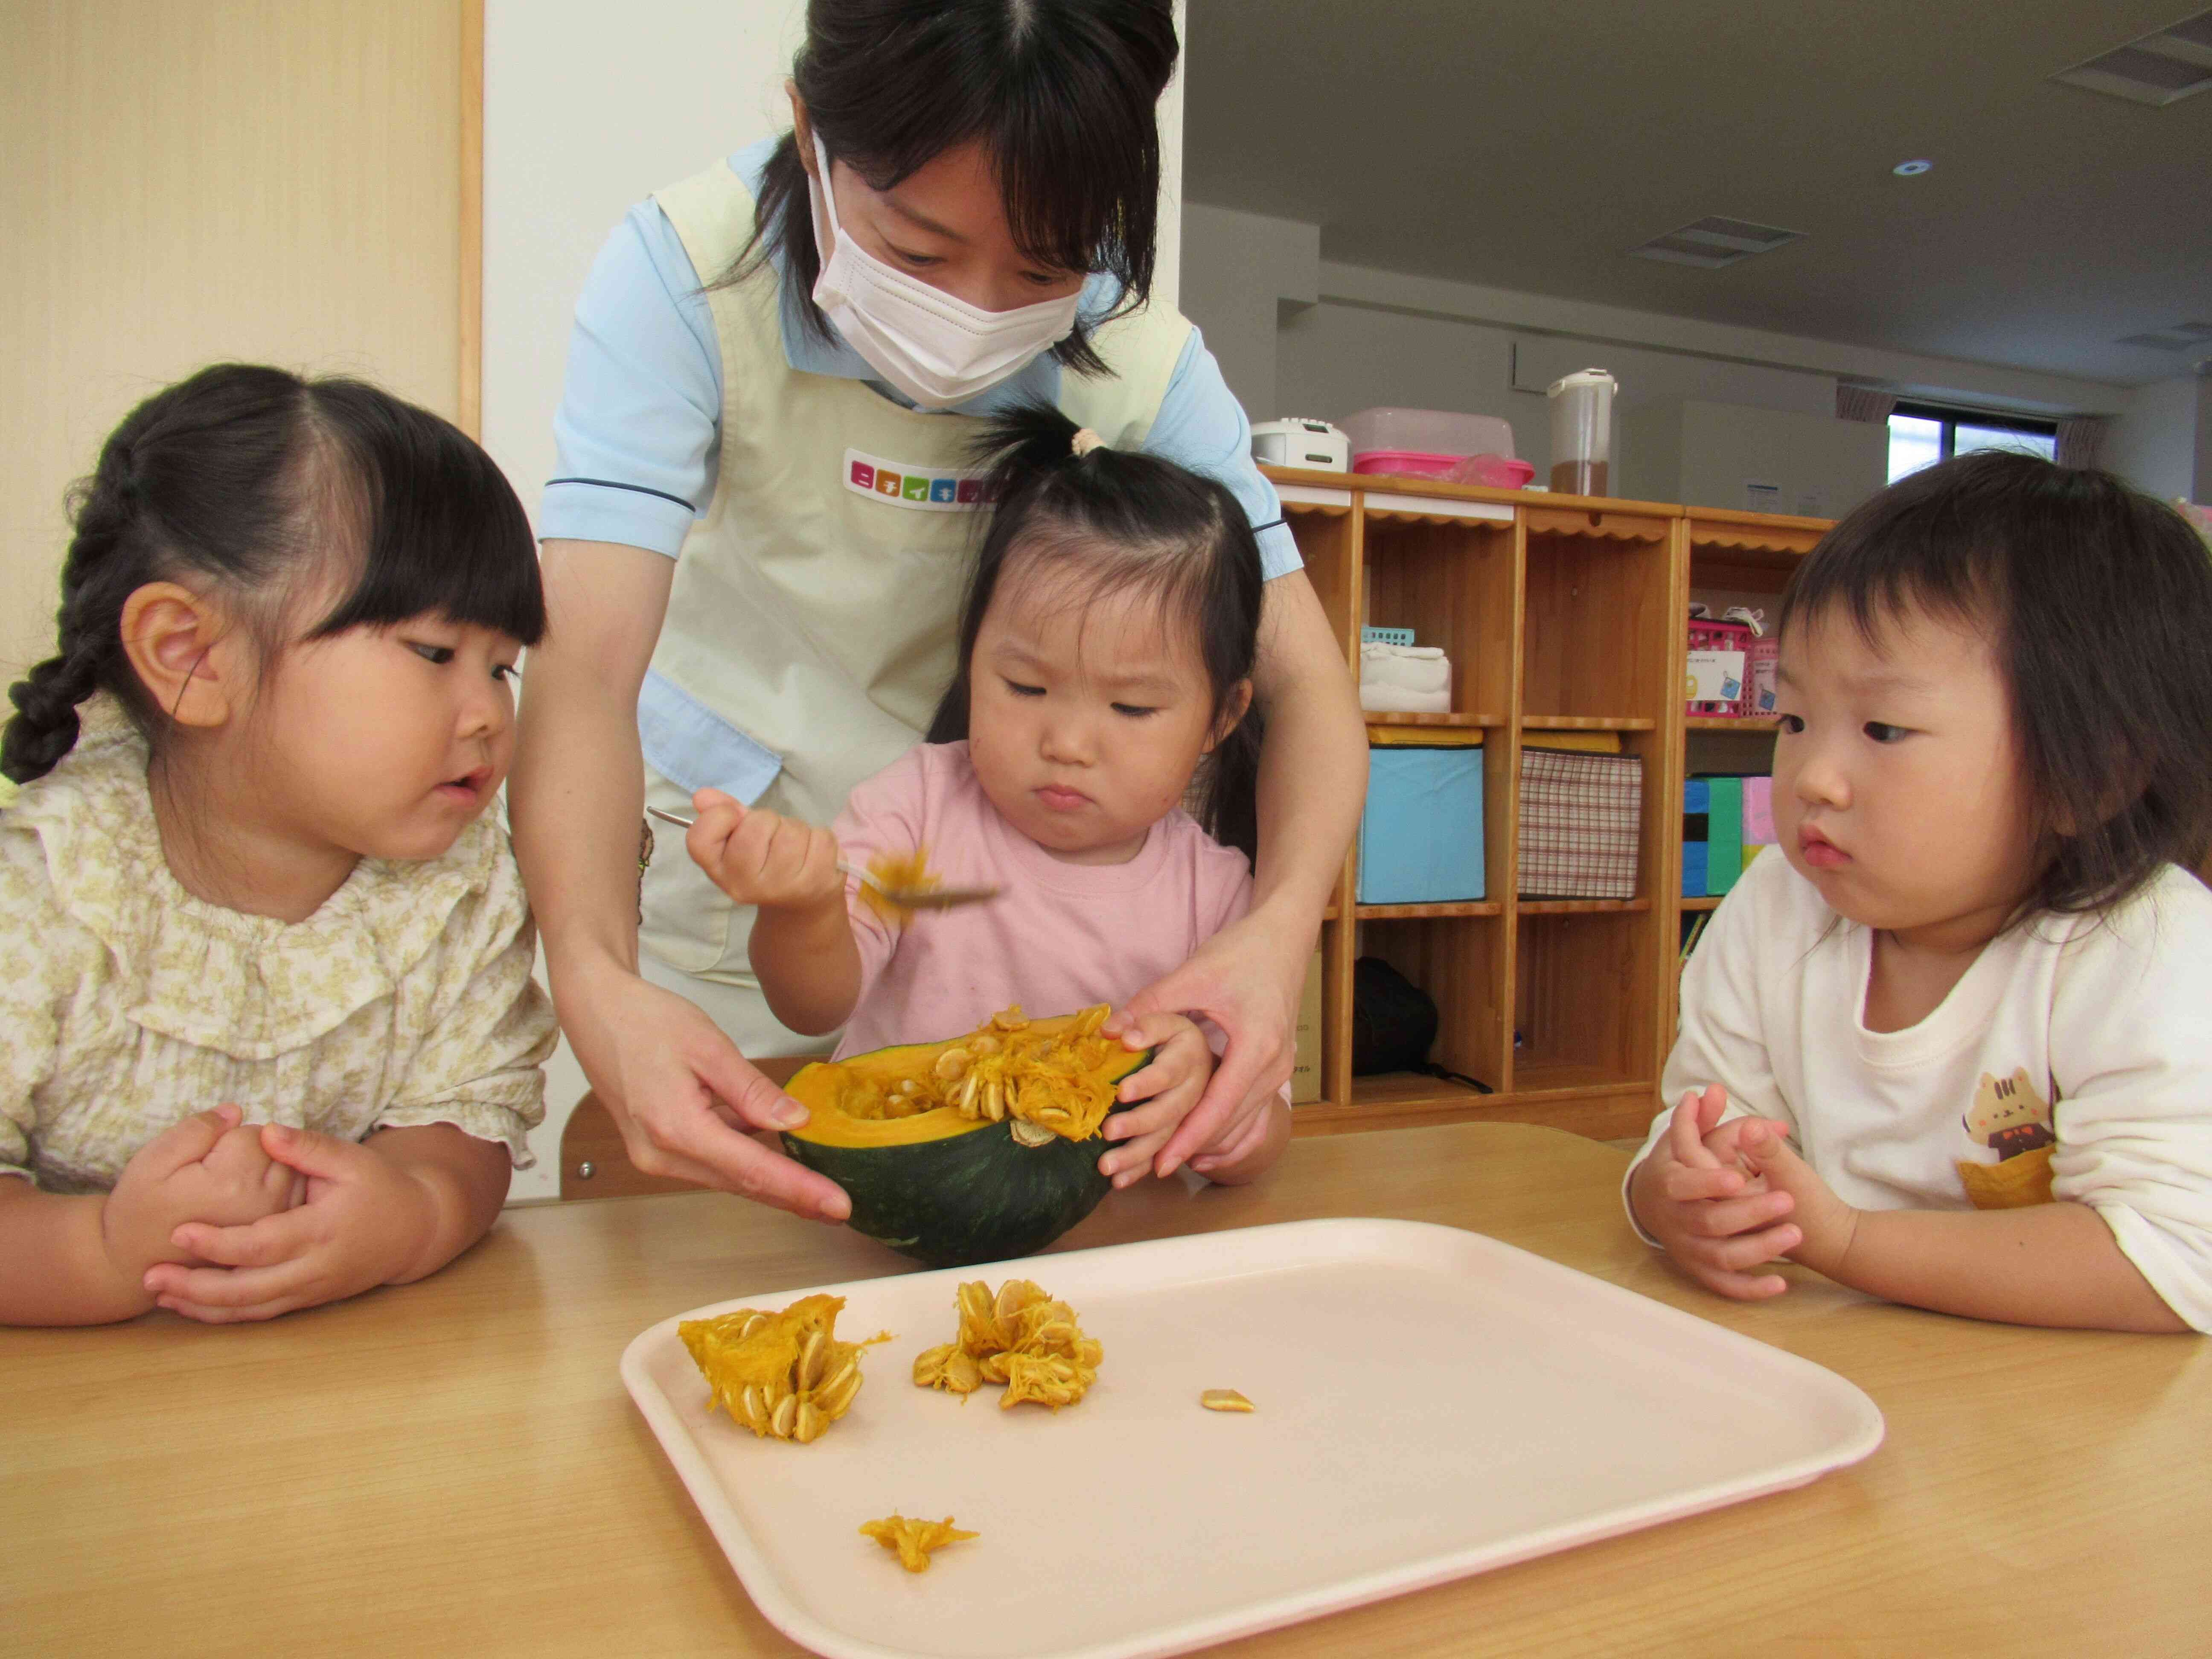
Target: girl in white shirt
(268, 1036)
(1954, 1048)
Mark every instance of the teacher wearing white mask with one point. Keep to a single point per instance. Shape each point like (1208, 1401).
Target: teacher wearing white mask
(760, 527)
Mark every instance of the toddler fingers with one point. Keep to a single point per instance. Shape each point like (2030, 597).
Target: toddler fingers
(232, 1289)
(190, 1140)
(1686, 1135)
(1127, 1164)
(1726, 1218)
(1688, 1183)
(1746, 1250)
(274, 1238)
(1745, 1287)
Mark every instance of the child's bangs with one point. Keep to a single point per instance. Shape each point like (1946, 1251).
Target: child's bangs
(1895, 556)
(439, 528)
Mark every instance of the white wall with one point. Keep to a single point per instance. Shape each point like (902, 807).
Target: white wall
(2153, 441)
(1240, 271)
(1370, 338)
(587, 109)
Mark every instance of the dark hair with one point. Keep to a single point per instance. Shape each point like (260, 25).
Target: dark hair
(1060, 93)
(2099, 605)
(251, 480)
(1126, 520)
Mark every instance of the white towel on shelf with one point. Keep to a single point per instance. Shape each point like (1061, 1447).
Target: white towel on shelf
(1404, 679)
(1396, 700)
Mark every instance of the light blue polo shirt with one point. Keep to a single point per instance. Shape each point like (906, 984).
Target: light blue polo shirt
(638, 433)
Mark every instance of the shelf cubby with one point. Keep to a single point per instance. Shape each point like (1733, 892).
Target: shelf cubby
(1562, 617)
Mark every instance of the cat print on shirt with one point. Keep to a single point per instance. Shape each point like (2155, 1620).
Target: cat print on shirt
(2015, 1123)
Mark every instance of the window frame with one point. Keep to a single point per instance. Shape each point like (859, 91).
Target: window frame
(1949, 418)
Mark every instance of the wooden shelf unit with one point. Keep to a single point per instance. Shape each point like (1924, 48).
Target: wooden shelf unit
(1735, 554)
(1560, 614)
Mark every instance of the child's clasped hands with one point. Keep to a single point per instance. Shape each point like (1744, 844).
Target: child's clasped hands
(1725, 1196)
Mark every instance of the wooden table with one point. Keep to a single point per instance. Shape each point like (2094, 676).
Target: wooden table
(455, 1466)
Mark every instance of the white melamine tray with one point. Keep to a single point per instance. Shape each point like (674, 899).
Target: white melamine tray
(1431, 1403)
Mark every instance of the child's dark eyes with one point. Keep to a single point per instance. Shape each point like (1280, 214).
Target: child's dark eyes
(918, 261)
(1134, 711)
(1021, 690)
(1882, 732)
(439, 655)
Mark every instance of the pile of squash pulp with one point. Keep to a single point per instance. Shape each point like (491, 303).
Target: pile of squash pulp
(977, 1149)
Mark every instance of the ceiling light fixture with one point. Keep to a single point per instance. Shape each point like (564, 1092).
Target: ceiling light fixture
(1712, 243)
(1912, 169)
(2157, 69)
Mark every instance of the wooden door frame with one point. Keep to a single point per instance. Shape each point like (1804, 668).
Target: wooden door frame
(468, 406)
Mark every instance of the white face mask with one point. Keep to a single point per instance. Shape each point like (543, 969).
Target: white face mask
(934, 347)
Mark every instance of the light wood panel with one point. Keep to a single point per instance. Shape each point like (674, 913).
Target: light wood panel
(275, 180)
(454, 1467)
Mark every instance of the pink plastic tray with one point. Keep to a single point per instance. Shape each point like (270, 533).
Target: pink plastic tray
(1490, 1407)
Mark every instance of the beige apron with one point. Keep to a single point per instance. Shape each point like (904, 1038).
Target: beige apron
(811, 627)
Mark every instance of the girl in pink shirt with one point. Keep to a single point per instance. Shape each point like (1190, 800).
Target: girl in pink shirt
(1106, 653)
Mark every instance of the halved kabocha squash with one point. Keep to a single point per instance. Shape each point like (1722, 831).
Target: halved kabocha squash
(979, 1148)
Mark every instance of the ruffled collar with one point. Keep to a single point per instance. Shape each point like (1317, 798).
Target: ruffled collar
(250, 987)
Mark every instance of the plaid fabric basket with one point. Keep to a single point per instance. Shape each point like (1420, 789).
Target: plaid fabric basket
(1579, 816)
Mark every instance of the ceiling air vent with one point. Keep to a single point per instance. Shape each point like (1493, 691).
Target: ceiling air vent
(2179, 337)
(2159, 69)
(1712, 243)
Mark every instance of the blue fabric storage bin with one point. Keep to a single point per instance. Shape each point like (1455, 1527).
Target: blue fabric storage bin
(1420, 841)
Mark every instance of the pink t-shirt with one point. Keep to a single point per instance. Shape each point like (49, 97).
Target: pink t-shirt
(1059, 937)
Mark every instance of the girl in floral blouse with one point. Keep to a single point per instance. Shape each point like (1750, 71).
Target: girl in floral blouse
(271, 1035)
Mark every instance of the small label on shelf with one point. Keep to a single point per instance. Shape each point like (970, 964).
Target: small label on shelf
(1386, 637)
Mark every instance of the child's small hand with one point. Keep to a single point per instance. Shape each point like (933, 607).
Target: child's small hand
(1824, 1223)
(1168, 1088)
(364, 1224)
(210, 1168)
(758, 857)
(1697, 1195)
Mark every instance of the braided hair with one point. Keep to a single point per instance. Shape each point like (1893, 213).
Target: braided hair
(247, 480)
(1126, 520)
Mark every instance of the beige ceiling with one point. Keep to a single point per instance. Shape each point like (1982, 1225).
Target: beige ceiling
(1529, 147)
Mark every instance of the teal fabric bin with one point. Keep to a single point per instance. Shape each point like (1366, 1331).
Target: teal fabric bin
(1420, 841)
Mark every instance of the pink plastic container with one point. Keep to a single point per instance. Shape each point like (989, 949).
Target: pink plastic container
(1405, 463)
(1493, 471)
(1437, 443)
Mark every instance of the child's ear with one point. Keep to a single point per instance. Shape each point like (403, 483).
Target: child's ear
(1238, 706)
(187, 653)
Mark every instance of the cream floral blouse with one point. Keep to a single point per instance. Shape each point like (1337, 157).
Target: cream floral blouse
(127, 1004)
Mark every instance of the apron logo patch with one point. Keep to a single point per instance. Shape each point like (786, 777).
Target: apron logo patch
(901, 484)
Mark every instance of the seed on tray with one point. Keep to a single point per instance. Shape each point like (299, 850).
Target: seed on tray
(913, 1540)
(1224, 1400)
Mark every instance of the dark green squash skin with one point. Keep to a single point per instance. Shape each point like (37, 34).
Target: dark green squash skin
(982, 1196)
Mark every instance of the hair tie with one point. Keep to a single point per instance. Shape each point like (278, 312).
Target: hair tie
(1084, 441)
